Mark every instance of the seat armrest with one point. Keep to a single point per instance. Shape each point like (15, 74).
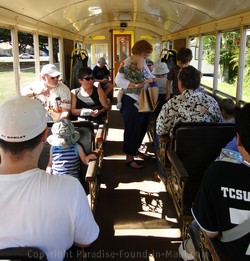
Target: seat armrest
(99, 137)
(178, 166)
(213, 246)
(91, 177)
(176, 182)
(92, 168)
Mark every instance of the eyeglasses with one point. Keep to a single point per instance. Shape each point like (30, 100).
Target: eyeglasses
(52, 78)
(88, 78)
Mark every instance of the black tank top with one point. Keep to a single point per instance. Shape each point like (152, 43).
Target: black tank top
(89, 102)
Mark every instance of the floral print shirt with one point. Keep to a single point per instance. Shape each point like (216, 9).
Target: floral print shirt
(190, 106)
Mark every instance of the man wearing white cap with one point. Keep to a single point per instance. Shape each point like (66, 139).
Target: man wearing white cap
(38, 209)
(54, 95)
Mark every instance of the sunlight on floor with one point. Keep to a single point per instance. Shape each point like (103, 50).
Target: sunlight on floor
(147, 186)
(113, 108)
(115, 134)
(166, 233)
(151, 206)
(159, 215)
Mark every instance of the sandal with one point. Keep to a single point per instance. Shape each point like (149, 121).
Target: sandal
(142, 155)
(134, 164)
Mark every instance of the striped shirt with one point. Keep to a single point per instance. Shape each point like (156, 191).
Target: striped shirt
(65, 161)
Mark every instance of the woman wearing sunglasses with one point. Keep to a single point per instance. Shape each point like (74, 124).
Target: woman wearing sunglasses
(89, 101)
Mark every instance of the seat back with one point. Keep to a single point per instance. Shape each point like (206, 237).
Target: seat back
(197, 145)
(87, 139)
(23, 254)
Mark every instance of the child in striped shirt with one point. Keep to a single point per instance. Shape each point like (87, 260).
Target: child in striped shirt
(65, 152)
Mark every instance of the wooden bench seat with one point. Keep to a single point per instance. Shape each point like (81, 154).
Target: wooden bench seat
(194, 147)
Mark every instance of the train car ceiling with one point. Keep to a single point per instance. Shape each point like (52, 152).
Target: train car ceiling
(80, 18)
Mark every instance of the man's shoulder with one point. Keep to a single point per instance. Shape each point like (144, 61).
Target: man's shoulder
(62, 87)
(176, 99)
(54, 180)
(207, 96)
(221, 168)
(97, 68)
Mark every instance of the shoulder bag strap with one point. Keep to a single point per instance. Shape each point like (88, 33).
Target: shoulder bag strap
(236, 232)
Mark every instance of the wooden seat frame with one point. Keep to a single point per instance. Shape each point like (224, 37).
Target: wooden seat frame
(193, 144)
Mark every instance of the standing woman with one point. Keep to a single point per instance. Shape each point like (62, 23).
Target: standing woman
(135, 123)
(88, 101)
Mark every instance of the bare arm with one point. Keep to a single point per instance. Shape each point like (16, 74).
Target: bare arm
(74, 110)
(65, 113)
(27, 91)
(84, 158)
(101, 80)
(35, 89)
(211, 234)
(103, 99)
(149, 80)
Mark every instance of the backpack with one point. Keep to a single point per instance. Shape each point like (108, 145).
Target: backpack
(170, 58)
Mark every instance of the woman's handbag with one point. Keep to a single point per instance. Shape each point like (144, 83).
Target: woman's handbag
(148, 99)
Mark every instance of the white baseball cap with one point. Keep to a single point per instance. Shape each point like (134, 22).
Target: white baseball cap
(22, 119)
(51, 70)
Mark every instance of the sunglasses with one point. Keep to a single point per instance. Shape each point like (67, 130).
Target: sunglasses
(52, 78)
(88, 78)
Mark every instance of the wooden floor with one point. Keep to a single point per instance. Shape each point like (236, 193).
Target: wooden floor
(136, 217)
